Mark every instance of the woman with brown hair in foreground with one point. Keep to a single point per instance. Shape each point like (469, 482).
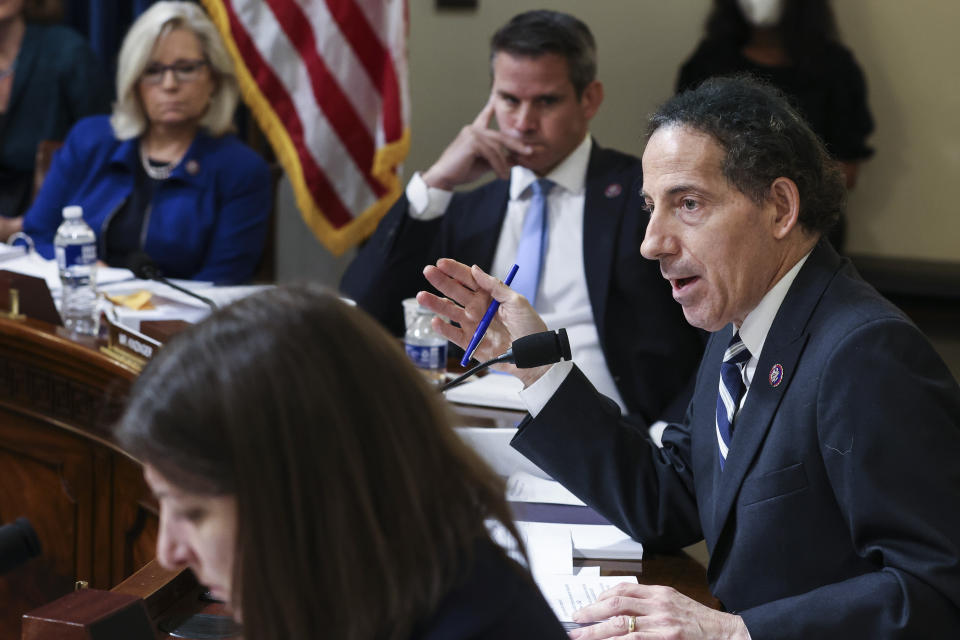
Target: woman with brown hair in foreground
(311, 479)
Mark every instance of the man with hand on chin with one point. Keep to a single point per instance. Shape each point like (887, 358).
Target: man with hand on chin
(817, 456)
(561, 207)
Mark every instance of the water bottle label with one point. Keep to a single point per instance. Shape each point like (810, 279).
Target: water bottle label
(76, 255)
(428, 357)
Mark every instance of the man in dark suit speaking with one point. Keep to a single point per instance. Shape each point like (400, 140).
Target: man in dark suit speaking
(563, 208)
(819, 454)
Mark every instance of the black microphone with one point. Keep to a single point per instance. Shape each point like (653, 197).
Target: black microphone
(534, 350)
(145, 268)
(18, 543)
(538, 349)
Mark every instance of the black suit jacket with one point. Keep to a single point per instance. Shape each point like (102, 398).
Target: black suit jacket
(650, 349)
(836, 515)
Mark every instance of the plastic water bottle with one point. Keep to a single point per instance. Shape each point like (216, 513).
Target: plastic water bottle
(76, 249)
(426, 348)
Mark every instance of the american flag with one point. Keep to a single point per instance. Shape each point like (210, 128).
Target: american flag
(327, 82)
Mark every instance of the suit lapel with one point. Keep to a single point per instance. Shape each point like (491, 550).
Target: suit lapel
(778, 361)
(603, 208)
(478, 241)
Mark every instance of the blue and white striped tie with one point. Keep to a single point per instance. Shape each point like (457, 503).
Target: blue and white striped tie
(732, 386)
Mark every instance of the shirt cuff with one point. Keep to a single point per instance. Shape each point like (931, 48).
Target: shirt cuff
(425, 202)
(656, 432)
(536, 396)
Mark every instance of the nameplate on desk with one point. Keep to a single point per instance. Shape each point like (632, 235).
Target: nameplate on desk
(129, 346)
(32, 296)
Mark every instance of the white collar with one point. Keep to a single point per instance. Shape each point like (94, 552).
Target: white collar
(757, 324)
(571, 173)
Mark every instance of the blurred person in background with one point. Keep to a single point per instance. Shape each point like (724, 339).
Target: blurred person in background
(563, 208)
(795, 45)
(162, 175)
(49, 79)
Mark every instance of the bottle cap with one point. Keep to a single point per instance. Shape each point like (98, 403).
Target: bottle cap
(72, 212)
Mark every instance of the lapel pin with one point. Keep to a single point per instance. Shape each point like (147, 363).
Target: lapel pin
(192, 167)
(613, 190)
(776, 375)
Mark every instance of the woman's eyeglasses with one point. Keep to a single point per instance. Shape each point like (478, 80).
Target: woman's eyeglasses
(183, 71)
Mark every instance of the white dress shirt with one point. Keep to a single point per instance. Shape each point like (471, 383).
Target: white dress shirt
(757, 324)
(562, 296)
(753, 332)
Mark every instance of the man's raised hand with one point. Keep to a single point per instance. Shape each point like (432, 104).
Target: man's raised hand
(476, 150)
(469, 291)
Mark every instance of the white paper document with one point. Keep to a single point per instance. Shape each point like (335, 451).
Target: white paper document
(8, 252)
(567, 593)
(222, 296)
(168, 304)
(525, 487)
(595, 541)
(171, 304)
(32, 264)
(493, 445)
(492, 390)
(603, 541)
(549, 548)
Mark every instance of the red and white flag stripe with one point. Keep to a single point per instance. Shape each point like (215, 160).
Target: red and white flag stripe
(327, 81)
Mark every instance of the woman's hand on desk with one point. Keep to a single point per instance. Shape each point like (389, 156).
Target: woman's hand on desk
(469, 291)
(10, 226)
(643, 611)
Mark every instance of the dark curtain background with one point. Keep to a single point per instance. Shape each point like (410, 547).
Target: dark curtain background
(104, 23)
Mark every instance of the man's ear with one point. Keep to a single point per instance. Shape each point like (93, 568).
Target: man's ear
(591, 98)
(785, 198)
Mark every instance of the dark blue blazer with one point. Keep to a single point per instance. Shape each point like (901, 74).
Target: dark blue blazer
(836, 515)
(497, 600)
(650, 349)
(207, 221)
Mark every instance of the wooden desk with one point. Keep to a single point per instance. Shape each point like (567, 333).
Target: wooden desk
(58, 467)
(86, 498)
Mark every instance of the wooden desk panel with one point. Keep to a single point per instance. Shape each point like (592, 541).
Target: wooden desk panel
(86, 499)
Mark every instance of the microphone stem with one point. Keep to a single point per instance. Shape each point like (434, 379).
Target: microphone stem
(192, 294)
(459, 380)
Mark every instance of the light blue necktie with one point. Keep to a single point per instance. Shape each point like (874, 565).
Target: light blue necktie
(533, 242)
(735, 358)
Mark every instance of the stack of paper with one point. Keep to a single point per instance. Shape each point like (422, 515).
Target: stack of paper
(563, 539)
(567, 594)
(32, 264)
(527, 487)
(493, 445)
(594, 541)
(550, 550)
(492, 390)
(165, 304)
(171, 304)
(552, 546)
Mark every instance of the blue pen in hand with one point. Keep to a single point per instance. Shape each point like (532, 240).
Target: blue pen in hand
(485, 322)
